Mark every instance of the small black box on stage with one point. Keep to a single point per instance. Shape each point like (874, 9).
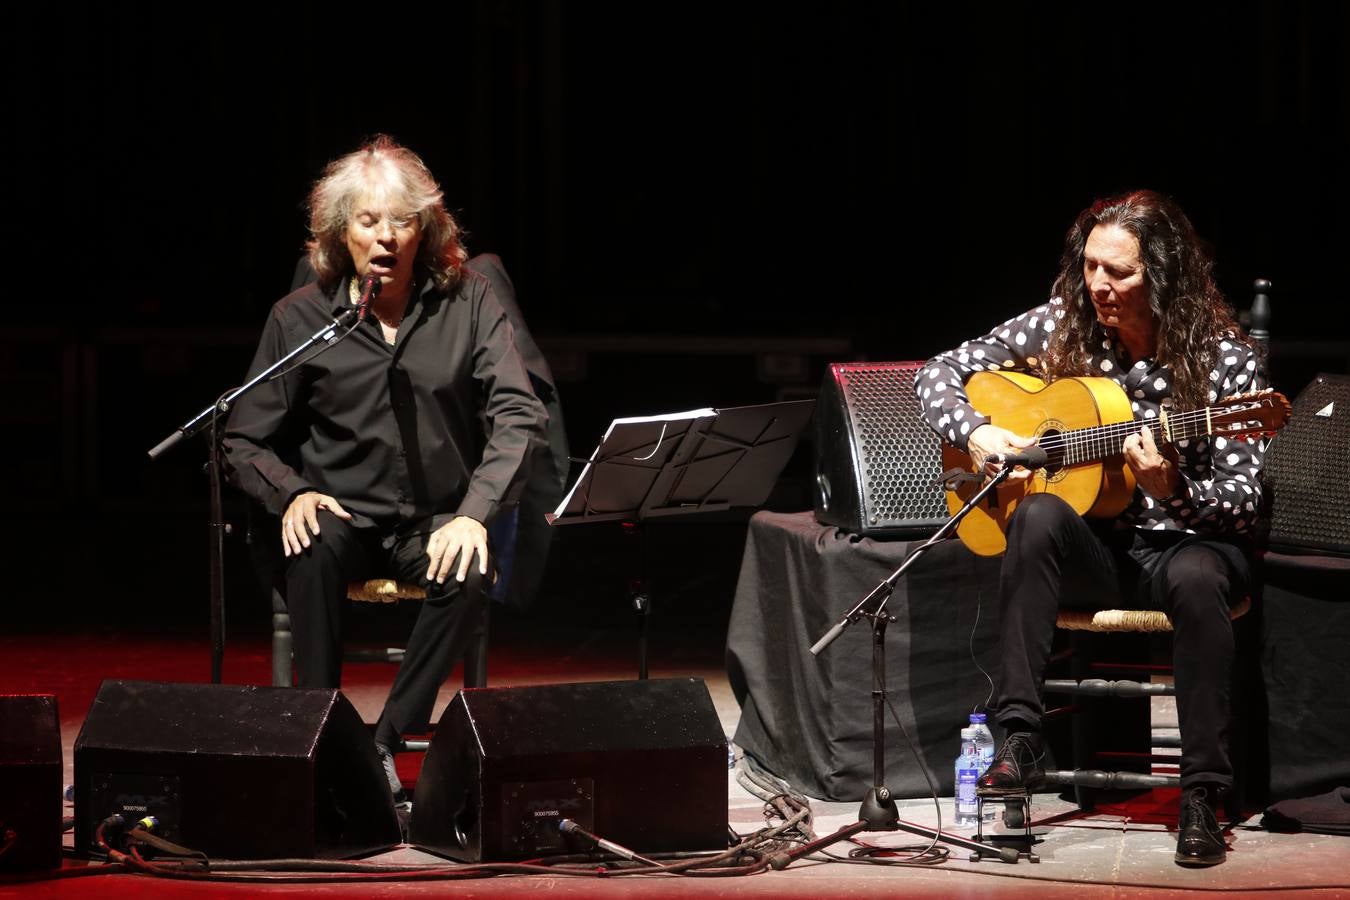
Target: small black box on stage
(639, 763)
(235, 772)
(30, 782)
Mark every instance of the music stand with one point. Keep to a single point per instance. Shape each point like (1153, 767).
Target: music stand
(698, 461)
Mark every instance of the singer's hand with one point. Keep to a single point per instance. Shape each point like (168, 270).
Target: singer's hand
(301, 520)
(1154, 469)
(990, 440)
(460, 538)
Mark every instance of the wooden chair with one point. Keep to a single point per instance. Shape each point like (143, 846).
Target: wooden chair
(1126, 729)
(376, 590)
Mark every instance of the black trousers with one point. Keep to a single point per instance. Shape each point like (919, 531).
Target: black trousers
(316, 597)
(1056, 558)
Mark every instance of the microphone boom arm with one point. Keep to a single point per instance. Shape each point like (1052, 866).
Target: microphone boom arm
(224, 404)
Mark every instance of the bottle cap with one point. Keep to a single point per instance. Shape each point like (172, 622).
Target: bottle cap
(978, 718)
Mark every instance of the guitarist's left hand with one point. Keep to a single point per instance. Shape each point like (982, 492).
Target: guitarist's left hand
(1154, 469)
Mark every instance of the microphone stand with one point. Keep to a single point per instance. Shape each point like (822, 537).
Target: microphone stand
(207, 419)
(878, 811)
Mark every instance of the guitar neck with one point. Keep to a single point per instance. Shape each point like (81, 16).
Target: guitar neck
(1098, 442)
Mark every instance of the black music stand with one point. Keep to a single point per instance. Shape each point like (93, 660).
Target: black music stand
(699, 461)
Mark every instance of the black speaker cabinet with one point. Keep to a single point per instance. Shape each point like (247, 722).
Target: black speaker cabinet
(30, 782)
(1305, 471)
(640, 763)
(235, 772)
(876, 461)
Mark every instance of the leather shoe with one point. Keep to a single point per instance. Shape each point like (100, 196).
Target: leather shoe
(1199, 838)
(391, 773)
(1016, 767)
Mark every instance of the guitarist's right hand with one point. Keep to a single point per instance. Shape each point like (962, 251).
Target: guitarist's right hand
(990, 440)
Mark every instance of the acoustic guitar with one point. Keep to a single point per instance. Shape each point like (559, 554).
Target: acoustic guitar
(1081, 424)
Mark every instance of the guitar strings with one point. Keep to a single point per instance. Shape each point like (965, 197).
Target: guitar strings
(1080, 437)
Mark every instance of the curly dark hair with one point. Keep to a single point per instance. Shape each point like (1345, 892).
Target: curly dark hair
(1191, 314)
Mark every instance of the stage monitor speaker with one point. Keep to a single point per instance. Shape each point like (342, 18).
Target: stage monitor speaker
(235, 772)
(30, 782)
(1305, 471)
(640, 763)
(876, 460)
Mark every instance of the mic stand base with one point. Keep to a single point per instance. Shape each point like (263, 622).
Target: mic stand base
(878, 810)
(879, 815)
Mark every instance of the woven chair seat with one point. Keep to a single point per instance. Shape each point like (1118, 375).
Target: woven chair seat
(1137, 620)
(384, 590)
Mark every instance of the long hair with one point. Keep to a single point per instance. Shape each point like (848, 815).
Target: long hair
(1190, 312)
(408, 188)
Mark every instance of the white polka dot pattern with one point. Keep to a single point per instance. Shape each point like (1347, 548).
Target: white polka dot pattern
(1219, 491)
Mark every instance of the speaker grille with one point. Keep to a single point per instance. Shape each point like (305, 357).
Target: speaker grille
(1305, 470)
(898, 454)
(876, 460)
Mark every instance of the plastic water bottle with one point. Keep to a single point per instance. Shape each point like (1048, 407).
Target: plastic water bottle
(984, 739)
(984, 744)
(967, 773)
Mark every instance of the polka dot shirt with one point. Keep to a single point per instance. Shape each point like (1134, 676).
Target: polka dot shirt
(1219, 491)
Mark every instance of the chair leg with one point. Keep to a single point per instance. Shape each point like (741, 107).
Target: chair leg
(1120, 723)
(281, 650)
(475, 656)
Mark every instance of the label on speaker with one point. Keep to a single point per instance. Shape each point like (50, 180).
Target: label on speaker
(134, 797)
(531, 811)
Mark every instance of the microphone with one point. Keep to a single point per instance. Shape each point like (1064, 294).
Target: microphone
(370, 289)
(1032, 457)
(567, 826)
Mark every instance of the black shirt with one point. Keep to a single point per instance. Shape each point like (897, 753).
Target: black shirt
(395, 433)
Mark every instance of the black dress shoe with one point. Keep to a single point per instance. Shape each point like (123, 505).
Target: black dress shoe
(1016, 767)
(1199, 837)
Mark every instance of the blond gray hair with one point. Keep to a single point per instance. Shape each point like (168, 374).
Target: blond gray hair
(408, 189)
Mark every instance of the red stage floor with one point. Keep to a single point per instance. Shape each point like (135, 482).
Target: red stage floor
(1122, 852)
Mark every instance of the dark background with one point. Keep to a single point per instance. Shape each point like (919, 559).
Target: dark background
(813, 183)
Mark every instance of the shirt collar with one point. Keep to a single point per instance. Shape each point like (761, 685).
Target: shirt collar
(339, 298)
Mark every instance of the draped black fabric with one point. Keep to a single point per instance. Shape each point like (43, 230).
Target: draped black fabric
(1327, 813)
(808, 719)
(1305, 629)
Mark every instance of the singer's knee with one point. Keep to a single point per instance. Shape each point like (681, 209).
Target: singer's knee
(471, 590)
(333, 544)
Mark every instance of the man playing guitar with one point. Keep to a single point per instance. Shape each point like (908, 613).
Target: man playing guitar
(1134, 302)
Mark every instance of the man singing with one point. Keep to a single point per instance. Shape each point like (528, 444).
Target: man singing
(386, 454)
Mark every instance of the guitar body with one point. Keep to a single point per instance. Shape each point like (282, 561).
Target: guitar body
(1025, 405)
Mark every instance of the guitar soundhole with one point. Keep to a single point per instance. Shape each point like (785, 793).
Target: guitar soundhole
(1054, 452)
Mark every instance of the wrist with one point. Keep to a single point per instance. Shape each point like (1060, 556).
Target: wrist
(1180, 491)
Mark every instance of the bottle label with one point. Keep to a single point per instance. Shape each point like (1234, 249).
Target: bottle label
(965, 787)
